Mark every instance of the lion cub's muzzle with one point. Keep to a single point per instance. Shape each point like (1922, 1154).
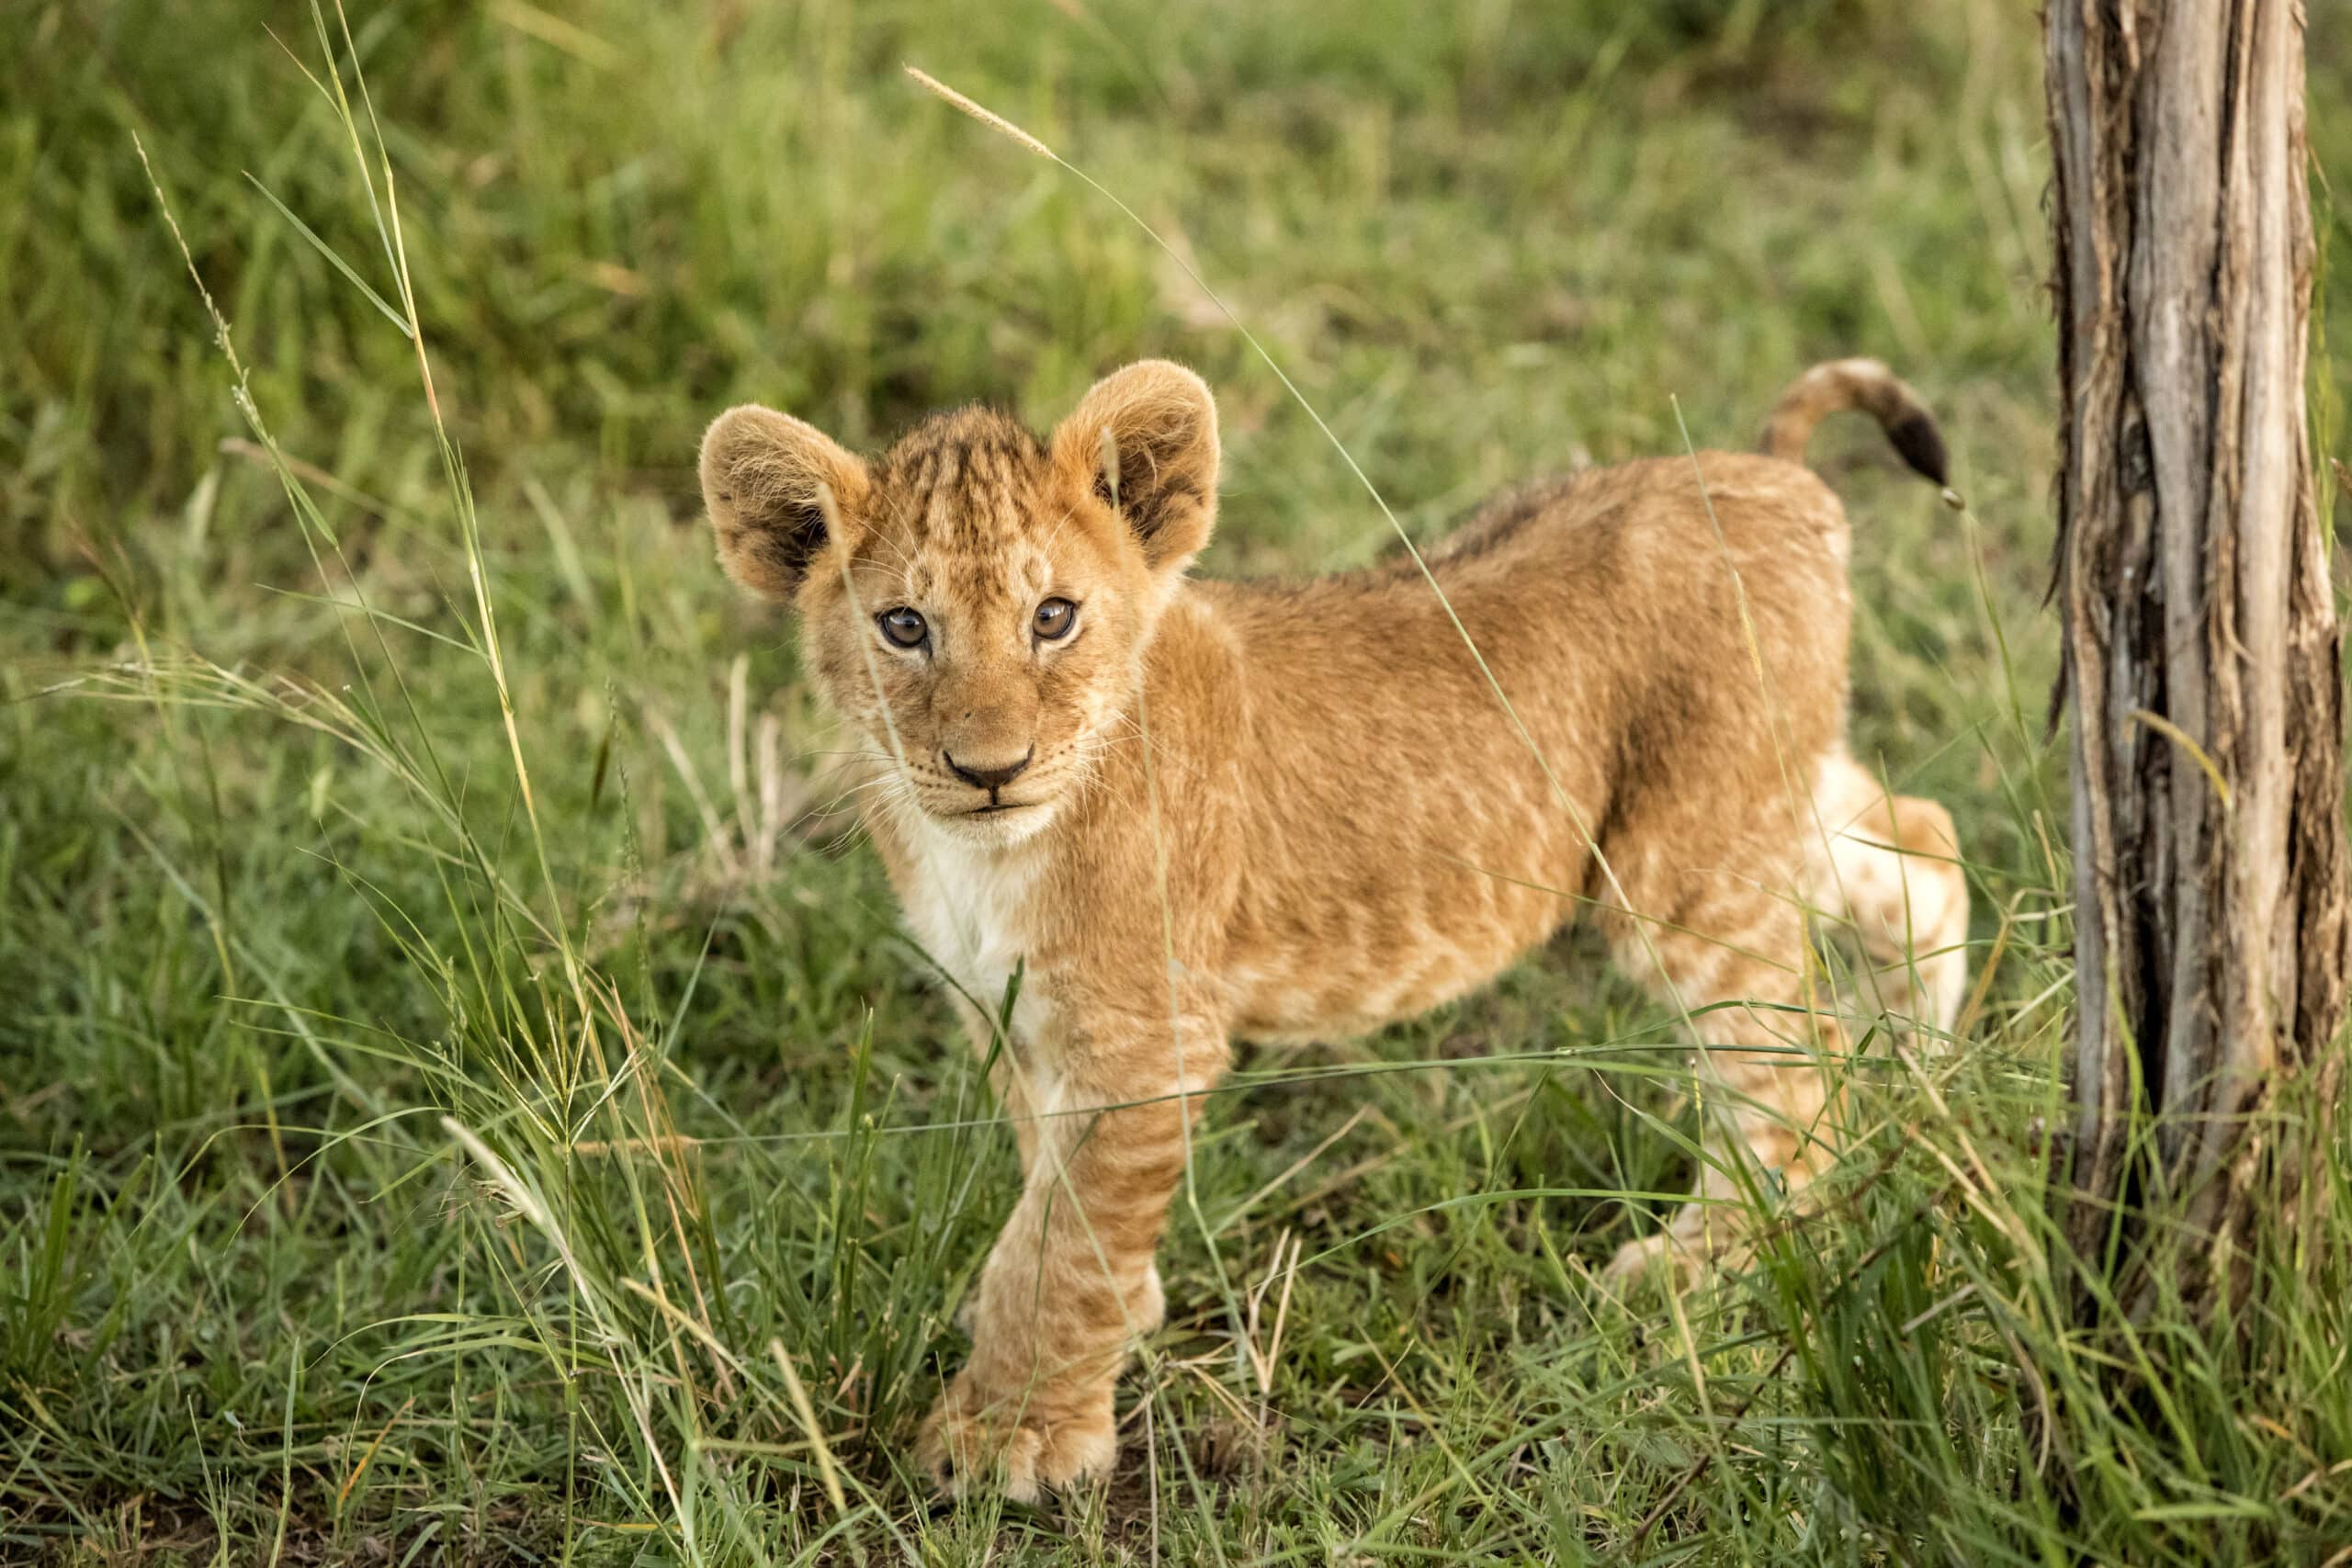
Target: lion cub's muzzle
(991, 776)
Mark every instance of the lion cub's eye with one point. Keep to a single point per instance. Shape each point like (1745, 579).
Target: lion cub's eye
(1054, 618)
(903, 626)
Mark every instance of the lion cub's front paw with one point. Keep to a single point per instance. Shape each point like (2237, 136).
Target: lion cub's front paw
(1701, 1238)
(1018, 1442)
(1651, 1257)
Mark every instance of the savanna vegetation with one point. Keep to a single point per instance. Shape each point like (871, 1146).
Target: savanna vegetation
(464, 1095)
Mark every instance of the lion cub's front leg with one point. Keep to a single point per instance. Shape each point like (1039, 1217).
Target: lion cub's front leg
(1070, 1283)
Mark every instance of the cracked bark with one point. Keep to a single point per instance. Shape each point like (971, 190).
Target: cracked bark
(2202, 649)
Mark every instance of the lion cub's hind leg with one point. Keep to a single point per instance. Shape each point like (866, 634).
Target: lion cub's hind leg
(1887, 866)
(1723, 940)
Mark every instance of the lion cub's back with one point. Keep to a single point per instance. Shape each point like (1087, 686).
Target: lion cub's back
(1407, 839)
(1640, 528)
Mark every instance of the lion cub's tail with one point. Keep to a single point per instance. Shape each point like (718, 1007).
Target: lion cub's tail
(1867, 384)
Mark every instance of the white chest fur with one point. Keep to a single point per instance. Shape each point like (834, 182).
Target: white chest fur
(967, 904)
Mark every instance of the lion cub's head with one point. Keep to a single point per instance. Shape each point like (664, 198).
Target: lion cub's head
(976, 602)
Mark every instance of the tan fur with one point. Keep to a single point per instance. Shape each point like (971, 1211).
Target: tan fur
(1298, 809)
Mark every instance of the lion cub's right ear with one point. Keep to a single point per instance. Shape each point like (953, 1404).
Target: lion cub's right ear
(768, 482)
(1147, 435)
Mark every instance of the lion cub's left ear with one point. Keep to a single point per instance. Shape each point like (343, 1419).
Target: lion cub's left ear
(1147, 435)
(773, 486)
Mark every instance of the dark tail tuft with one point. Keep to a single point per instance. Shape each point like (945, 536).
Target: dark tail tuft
(1867, 384)
(1922, 445)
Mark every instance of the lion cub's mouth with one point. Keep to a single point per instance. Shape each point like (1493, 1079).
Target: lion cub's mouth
(1000, 808)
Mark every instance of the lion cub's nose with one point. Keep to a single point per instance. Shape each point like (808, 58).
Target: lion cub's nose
(990, 779)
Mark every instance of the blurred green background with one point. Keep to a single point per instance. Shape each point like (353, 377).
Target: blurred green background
(270, 886)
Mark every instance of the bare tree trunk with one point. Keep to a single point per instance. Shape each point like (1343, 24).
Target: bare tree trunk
(2201, 647)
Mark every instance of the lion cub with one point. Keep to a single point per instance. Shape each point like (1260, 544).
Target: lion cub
(1191, 812)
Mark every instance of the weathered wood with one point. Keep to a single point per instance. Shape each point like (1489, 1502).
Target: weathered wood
(2202, 649)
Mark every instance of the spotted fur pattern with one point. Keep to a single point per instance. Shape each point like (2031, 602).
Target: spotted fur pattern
(1299, 810)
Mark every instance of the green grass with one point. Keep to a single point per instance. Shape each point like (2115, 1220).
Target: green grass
(397, 1167)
